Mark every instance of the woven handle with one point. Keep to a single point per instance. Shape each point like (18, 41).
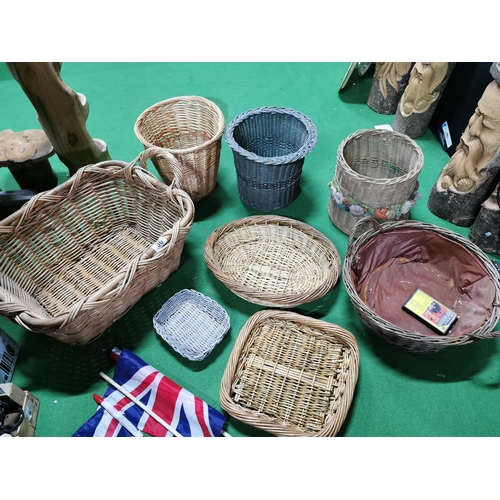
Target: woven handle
(376, 228)
(174, 164)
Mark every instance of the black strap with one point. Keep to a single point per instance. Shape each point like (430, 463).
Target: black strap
(8, 408)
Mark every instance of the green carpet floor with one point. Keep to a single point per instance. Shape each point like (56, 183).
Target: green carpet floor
(451, 393)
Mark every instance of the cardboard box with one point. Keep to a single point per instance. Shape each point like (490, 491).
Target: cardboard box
(11, 393)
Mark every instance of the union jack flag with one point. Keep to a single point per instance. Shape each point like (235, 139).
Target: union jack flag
(189, 415)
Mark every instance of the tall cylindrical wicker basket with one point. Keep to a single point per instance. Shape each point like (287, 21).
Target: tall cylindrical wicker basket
(190, 128)
(376, 175)
(269, 146)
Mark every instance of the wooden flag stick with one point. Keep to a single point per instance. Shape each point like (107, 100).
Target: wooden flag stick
(151, 413)
(122, 420)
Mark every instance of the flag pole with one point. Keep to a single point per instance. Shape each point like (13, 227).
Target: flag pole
(143, 407)
(122, 420)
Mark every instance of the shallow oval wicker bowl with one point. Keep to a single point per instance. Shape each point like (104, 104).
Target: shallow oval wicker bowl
(463, 287)
(273, 261)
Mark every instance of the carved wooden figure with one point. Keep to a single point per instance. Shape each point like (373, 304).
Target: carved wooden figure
(472, 172)
(61, 112)
(389, 82)
(421, 96)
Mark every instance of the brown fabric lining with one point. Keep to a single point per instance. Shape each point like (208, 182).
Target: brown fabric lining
(388, 269)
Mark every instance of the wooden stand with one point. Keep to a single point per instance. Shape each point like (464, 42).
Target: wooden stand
(389, 82)
(420, 98)
(460, 208)
(26, 154)
(62, 113)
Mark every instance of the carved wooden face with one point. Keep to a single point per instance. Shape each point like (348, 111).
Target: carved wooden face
(421, 90)
(478, 144)
(484, 124)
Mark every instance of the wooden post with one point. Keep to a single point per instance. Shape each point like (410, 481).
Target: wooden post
(473, 171)
(421, 96)
(62, 113)
(485, 231)
(388, 84)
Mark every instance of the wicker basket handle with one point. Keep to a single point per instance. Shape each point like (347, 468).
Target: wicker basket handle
(164, 154)
(377, 227)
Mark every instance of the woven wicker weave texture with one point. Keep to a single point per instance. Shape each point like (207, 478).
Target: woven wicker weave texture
(291, 375)
(269, 145)
(377, 168)
(77, 257)
(190, 128)
(192, 324)
(273, 261)
(409, 340)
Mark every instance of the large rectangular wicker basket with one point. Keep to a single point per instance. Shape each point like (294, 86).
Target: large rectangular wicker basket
(77, 257)
(291, 375)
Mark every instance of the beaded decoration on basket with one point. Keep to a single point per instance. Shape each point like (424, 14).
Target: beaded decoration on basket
(354, 207)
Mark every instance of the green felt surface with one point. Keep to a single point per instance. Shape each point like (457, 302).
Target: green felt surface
(451, 393)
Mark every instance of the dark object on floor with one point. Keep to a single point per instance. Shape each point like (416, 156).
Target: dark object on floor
(10, 201)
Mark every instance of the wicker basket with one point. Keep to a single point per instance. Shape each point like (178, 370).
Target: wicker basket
(376, 176)
(291, 375)
(442, 263)
(273, 261)
(192, 324)
(190, 128)
(77, 257)
(269, 146)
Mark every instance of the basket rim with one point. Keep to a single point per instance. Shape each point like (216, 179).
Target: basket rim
(306, 148)
(412, 172)
(255, 295)
(202, 100)
(443, 341)
(269, 424)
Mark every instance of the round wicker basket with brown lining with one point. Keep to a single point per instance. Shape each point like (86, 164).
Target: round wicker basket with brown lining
(387, 263)
(291, 375)
(273, 261)
(376, 176)
(190, 128)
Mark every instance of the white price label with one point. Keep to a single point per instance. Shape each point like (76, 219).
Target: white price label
(158, 245)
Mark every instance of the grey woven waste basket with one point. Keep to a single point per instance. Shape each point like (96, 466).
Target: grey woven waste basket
(269, 145)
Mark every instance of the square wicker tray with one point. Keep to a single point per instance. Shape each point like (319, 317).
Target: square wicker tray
(192, 324)
(291, 375)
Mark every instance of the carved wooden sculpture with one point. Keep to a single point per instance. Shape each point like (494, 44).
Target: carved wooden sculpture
(420, 98)
(389, 82)
(471, 174)
(62, 113)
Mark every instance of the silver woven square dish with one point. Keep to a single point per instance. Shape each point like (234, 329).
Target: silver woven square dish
(192, 324)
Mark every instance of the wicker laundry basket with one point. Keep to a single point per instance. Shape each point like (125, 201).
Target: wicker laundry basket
(190, 128)
(291, 375)
(77, 257)
(273, 261)
(192, 323)
(376, 176)
(384, 266)
(269, 145)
